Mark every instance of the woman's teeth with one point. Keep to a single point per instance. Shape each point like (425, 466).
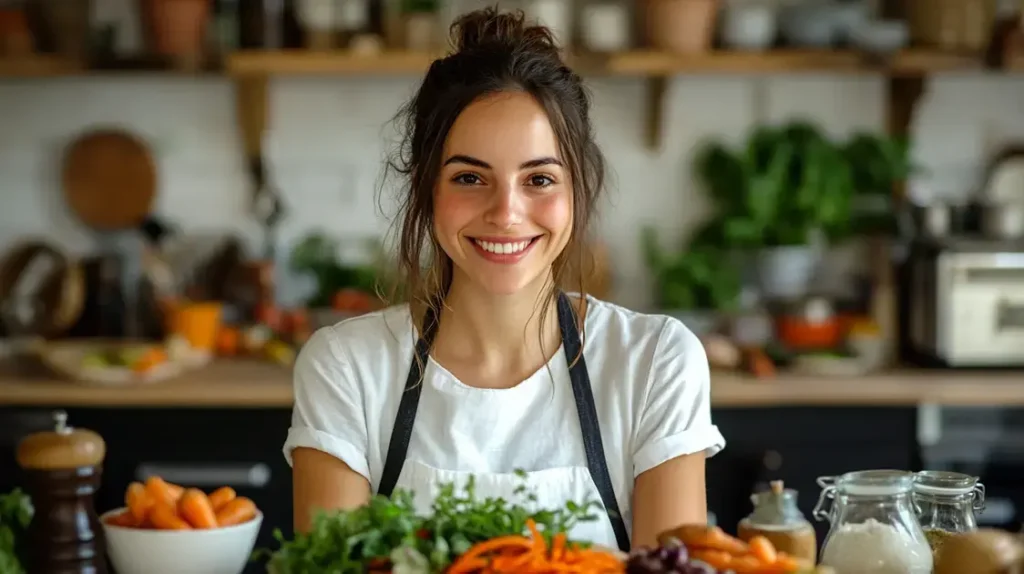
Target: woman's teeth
(502, 248)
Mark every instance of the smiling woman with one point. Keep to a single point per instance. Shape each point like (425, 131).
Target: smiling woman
(489, 370)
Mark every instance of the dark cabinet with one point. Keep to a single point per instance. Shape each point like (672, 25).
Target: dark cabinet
(204, 448)
(797, 445)
(241, 448)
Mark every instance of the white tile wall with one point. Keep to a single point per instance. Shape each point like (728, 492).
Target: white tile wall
(328, 138)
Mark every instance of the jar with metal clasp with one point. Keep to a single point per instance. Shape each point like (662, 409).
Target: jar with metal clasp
(873, 524)
(947, 503)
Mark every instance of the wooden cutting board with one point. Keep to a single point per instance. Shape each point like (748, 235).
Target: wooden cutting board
(109, 179)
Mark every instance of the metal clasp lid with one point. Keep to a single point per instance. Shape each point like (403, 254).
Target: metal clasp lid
(823, 508)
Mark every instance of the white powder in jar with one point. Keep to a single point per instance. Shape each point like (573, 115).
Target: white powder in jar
(873, 547)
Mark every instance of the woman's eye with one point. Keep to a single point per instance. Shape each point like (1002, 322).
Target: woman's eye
(466, 179)
(541, 181)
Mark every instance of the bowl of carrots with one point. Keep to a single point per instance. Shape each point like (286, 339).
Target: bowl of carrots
(166, 528)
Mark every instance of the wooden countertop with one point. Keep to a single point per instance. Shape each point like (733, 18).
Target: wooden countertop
(251, 384)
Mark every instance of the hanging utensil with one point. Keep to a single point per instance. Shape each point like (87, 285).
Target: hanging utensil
(110, 179)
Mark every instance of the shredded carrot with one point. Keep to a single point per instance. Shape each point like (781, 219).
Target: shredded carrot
(531, 555)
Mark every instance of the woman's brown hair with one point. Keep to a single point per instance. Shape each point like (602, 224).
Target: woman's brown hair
(493, 52)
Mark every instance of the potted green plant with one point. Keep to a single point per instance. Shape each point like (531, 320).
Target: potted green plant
(779, 198)
(694, 285)
(316, 256)
(877, 164)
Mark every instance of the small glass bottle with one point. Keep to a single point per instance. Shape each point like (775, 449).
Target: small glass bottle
(777, 518)
(873, 525)
(947, 503)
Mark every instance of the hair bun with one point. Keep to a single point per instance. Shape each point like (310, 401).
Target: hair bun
(489, 29)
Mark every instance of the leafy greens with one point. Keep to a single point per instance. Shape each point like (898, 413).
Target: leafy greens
(15, 514)
(387, 535)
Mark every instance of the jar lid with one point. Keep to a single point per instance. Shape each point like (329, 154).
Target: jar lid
(62, 448)
(943, 482)
(875, 483)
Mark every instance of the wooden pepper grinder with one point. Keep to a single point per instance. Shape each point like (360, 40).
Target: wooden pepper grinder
(63, 468)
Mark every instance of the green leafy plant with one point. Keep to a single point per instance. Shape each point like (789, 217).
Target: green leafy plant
(782, 187)
(15, 514)
(317, 255)
(419, 6)
(877, 164)
(698, 278)
(387, 533)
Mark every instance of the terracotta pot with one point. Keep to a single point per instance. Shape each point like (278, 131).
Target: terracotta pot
(683, 26)
(179, 28)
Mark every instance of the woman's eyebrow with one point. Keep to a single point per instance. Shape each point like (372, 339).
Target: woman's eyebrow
(469, 160)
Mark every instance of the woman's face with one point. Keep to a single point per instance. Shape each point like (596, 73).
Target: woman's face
(503, 201)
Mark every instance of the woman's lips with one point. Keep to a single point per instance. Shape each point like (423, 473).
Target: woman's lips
(503, 250)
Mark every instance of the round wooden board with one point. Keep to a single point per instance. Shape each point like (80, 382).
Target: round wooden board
(109, 179)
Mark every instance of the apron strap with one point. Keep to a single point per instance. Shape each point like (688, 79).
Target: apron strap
(401, 434)
(587, 411)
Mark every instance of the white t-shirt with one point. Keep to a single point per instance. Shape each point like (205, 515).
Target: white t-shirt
(649, 376)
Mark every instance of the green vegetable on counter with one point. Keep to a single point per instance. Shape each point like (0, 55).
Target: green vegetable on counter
(389, 535)
(15, 514)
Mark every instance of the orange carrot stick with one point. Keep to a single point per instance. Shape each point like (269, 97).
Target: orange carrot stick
(195, 508)
(237, 511)
(163, 517)
(221, 496)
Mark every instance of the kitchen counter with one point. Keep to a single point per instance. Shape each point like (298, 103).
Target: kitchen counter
(253, 384)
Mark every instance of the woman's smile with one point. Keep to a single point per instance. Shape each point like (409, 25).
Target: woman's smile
(504, 250)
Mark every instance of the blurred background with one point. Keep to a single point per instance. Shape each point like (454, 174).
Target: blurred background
(829, 192)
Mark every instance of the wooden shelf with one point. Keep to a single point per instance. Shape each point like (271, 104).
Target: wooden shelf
(37, 66)
(786, 61)
(305, 62)
(637, 63)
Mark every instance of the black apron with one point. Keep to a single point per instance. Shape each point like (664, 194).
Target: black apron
(585, 408)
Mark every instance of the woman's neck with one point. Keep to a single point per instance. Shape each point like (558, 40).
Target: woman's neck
(505, 337)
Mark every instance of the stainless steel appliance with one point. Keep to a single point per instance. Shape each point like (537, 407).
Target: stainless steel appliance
(965, 302)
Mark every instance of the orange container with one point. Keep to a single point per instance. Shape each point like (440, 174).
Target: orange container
(197, 323)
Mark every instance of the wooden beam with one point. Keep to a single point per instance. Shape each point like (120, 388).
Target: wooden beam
(657, 91)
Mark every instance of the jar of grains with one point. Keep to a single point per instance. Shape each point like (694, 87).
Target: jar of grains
(873, 525)
(947, 503)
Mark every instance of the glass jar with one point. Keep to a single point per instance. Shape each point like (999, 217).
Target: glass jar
(947, 503)
(777, 518)
(873, 525)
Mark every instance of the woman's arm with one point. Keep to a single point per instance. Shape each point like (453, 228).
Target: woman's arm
(674, 436)
(327, 441)
(667, 496)
(322, 482)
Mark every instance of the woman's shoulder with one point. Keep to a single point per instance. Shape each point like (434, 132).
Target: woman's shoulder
(624, 328)
(377, 334)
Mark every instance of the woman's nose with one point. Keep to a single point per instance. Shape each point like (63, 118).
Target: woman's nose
(506, 209)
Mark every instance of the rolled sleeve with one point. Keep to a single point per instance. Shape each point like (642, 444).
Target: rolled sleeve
(328, 414)
(676, 414)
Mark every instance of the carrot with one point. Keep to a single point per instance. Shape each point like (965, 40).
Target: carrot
(701, 536)
(138, 501)
(763, 549)
(124, 518)
(163, 517)
(531, 555)
(717, 559)
(160, 491)
(196, 509)
(237, 511)
(221, 496)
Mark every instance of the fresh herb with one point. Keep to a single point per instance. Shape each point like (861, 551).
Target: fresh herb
(388, 535)
(15, 514)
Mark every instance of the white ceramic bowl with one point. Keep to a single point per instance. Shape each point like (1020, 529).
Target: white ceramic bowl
(215, 551)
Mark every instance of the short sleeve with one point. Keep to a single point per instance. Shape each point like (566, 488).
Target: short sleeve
(328, 414)
(675, 416)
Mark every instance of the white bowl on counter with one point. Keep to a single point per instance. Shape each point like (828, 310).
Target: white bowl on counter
(215, 551)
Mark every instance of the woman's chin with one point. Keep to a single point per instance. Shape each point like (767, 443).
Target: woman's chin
(504, 284)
